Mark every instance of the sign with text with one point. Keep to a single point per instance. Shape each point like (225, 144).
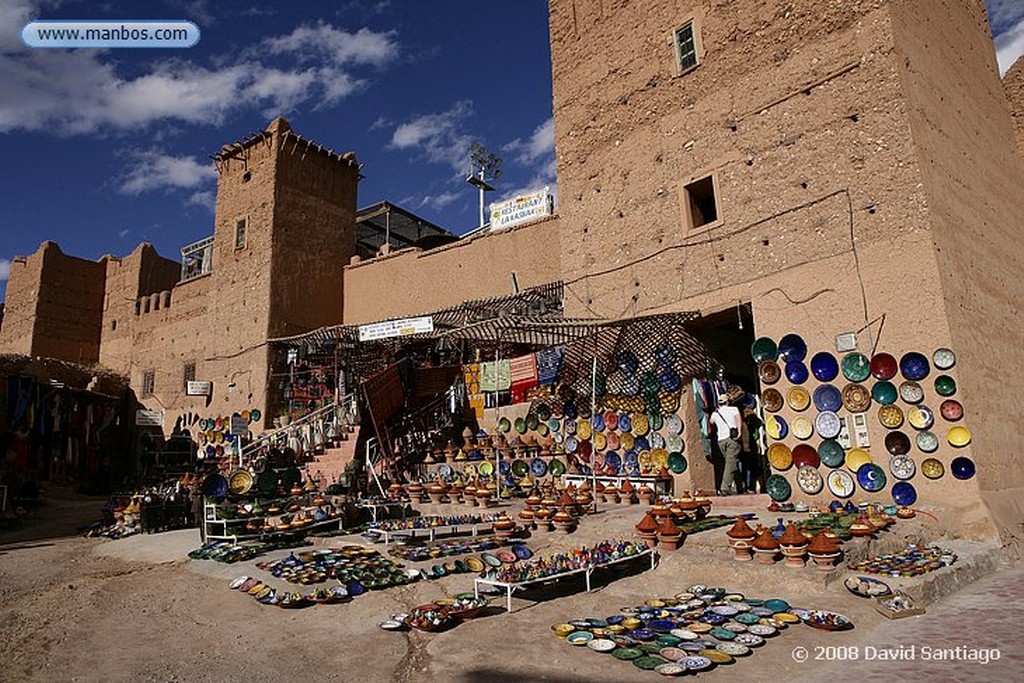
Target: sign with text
(524, 208)
(396, 328)
(149, 418)
(194, 388)
(239, 426)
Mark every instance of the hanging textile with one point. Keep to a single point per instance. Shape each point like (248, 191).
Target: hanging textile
(523, 375)
(489, 377)
(548, 362)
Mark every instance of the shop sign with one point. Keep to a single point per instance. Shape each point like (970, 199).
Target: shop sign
(149, 418)
(194, 388)
(396, 328)
(524, 208)
(239, 426)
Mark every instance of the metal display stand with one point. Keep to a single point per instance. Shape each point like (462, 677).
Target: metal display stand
(660, 486)
(432, 531)
(586, 571)
(375, 508)
(223, 526)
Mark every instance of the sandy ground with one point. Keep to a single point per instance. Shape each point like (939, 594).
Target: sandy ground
(136, 609)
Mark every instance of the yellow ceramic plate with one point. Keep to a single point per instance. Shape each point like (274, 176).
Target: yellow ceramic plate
(802, 428)
(920, 417)
(786, 618)
(780, 457)
(855, 457)
(932, 468)
(776, 427)
(958, 436)
(659, 457)
(890, 416)
(600, 441)
(640, 424)
(798, 398)
(626, 441)
(700, 627)
(584, 429)
(645, 459)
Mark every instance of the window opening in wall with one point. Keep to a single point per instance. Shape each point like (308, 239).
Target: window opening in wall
(148, 382)
(113, 324)
(197, 259)
(686, 47)
(702, 207)
(240, 225)
(189, 374)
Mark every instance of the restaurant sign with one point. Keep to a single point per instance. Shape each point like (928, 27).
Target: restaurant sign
(396, 328)
(524, 208)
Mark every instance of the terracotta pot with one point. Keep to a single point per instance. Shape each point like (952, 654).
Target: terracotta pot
(824, 562)
(794, 555)
(669, 541)
(742, 550)
(767, 556)
(650, 539)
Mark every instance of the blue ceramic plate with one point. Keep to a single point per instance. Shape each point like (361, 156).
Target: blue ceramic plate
(828, 397)
(625, 424)
(914, 366)
(612, 459)
(641, 443)
(776, 427)
(763, 349)
(962, 467)
(778, 487)
(538, 467)
(904, 493)
(884, 392)
(632, 458)
(792, 348)
(831, 453)
(828, 424)
(215, 486)
(871, 477)
(504, 466)
(796, 372)
(824, 366)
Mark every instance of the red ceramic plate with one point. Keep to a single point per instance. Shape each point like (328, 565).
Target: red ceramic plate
(611, 420)
(951, 410)
(884, 366)
(805, 454)
(584, 450)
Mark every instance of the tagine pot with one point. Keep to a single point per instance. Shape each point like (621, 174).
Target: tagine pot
(766, 548)
(563, 521)
(647, 529)
(794, 546)
(669, 535)
(741, 539)
(483, 497)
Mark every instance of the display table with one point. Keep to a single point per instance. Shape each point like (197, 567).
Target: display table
(432, 531)
(660, 486)
(586, 571)
(218, 529)
(403, 506)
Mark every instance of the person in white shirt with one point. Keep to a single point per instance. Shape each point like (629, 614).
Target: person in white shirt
(728, 423)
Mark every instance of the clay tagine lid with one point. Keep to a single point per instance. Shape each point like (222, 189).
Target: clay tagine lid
(765, 541)
(562, 516)
(822, 545)
(627, 487)
(664, 473)
(644, 489)
(566, 500)
(543, 512)
(905, 512)
(647, 525)
(526, 515)
(669, 528)
(599, 488)
(741, 530)
(792, 537)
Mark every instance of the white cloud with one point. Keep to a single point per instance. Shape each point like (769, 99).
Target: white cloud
(5, 269)
(152, 170)
(540, 144)
(124, 232)
(439, 201)
(203, 198)
(438, 136)
(1010, 46)
(72, 92)
(1004, 14)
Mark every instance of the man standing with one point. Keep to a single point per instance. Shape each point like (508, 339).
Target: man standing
(727, 421)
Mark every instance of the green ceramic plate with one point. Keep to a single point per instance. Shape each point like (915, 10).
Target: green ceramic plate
(831, 453)
(649, 662)
(764, 348)
(677, 462)
(945, 385)
(627, 653)
(556, 467)
(884, 392)
(520, 468)
(778, 487)
(856, 367)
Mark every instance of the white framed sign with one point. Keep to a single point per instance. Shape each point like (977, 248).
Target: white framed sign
(396, 328)
(524, 208)
(194, 388)
(149, 418)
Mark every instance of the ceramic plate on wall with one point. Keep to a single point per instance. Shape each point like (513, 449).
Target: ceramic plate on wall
(884, 392)
(927, 442)
(828, 424)
(764, 348)
(792, 348)
(802, 428)
(831, 453)
(902, 467)
(824, 366)
(856, 367)
(772, 400)
(841, 484)
(809, 480)
(796, 372)
(914, 366)
(944, 358)
(798, 399)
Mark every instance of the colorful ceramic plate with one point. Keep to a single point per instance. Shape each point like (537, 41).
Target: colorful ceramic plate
(904, 493)
(778, 488)
(805, 455)
(958, 436)
(828, 621)
(520, 425)
(856, 398)
(674, 424)
(600, 441)
(856, 458)
(927, 442)
(627, 653)
(920, 417)
(796, 372)
(914, 366)
(486, 468)
(571, 444)
(932, 468)
(840, 485)
(871, 477)
(897, 443)
(584, 429)
(772, 400)
(520, 468)
(890, 416)
(677, 463)
(769, 372)
(657, 441)
(538, 467)
(792, 348)
(750, 640)
(824, 366)
(943, 358)
(696, 663)
(802, 427)
(780, 456)
(798, 399)
(809, 480)
(867, 587)
(856, 367)
(902, 467)
(626, 441)
(601, 645)
(733, 649)
(884, 392)
(828, 424)
(674, 442)
(911, 392)
(962, 467)
(580, 638)
(827, 397)
(639, 423)
(775, 426)
(831, 453)
(945, 385)
(764, 348)
(670, 668)
(951, 410)
(883, 366)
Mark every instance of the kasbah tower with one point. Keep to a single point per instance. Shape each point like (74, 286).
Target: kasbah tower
(837, 166)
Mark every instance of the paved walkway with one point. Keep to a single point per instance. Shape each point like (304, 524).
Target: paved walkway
(951, 642)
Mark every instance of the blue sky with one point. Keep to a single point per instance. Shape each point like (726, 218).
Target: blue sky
(104, 149)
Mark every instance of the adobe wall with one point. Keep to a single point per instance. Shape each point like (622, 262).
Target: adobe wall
(413, 282)
(973, 178)
(798, 110)
(63, 295)
(1013, 86)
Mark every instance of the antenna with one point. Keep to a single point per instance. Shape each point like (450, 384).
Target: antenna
(483, 165)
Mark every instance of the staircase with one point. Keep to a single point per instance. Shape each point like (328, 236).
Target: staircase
(327, 467)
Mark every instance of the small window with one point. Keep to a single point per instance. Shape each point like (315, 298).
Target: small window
(240, 226)
(686, 47)
(189, 374)
(113, 325)
(701, 203)
(148, 382)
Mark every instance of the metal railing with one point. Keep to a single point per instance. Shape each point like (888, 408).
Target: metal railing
(275, 435)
